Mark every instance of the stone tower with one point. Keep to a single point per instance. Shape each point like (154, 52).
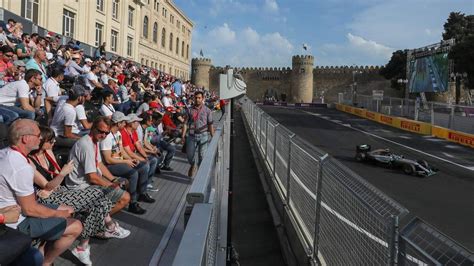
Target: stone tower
(200, 72)
(302, 79)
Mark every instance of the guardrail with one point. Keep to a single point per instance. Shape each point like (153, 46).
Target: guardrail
(450, 116)
(204, 241)
(340, 218)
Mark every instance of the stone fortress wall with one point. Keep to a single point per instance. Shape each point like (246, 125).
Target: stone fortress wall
(300, 83)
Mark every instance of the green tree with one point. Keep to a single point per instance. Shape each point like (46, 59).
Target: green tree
(396, 68)
(461, 28)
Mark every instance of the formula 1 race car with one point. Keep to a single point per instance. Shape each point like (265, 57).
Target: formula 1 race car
(385, 157)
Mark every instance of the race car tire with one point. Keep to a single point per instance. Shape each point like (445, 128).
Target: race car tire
(408, 169)
(360, 157)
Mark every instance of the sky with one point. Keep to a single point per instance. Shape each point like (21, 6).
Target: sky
(267, 33)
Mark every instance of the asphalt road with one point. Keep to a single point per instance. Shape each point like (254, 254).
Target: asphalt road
(445, 200)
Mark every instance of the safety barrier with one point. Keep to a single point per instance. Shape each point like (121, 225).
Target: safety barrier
(340, 219)
(204, 241)
(459, 118)
(412, 125)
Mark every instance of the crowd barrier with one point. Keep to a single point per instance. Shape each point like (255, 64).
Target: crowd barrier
(204, 241)
(338, 217)
(411, 125)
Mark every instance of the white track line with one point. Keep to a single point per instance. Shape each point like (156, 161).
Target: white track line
(470, 168)
(347, 221)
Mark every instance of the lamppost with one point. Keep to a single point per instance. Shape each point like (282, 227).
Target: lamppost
(405, 89)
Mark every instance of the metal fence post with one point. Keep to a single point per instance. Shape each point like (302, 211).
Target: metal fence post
(288, 164)
(274, 148)
(266, 140)
(393, 245)
(402, 107)
(319, 184)
(451, 118)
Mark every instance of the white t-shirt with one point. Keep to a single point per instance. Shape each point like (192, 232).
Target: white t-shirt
(80, 115)
(52, 89)
(167, 101)
(140, 133)
(107, 110)
(65, 115)
(16, 179)
(112, 143)
(10, 93)
(91, 76)
(142, 108)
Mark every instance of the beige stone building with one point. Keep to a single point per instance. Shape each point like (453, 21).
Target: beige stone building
(155, 33)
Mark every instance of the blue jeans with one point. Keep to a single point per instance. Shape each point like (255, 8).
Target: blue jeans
(31, 256)
(165, 146)
(7, 115)
(20, 112)
(137, 177)
(153, 162)
(197, 145)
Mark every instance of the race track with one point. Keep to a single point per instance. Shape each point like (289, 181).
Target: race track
(445, 200)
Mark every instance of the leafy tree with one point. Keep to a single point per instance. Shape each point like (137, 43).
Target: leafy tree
(396, 68)
(461, 28)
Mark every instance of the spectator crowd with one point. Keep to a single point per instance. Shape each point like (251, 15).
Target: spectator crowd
(85, 137)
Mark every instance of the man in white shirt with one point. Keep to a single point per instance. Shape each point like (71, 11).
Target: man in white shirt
(92, 81)
(64, 120)
(52, 89)
(167, 99)
(107, 109)
(87, 66)
(16, 188)
(15, 96)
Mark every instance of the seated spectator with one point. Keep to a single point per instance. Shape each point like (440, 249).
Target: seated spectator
(91, 171)
(6, 57)
(15, 97)
(107, 108)
(166, 100)
(37, 62)
(64, 121)
(92, 81)
(15, 247)
(73, 69)
(120, 164)
(82, 122)
(144, 107)
(87, 66)
(133, 146)
(91, 202)
(22, 50)
(51, 224)
(52, 89)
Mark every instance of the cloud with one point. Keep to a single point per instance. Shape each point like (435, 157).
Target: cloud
(368, 46)
(271, 6)
(246, 47)
(222, 35)
(355, 51)
(218, 8)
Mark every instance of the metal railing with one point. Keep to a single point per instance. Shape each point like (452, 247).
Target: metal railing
(340, 218)
(204, 241)
(452, 116)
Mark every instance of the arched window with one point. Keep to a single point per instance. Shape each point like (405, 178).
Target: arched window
(143, 60)
(182, 49)
(171, 41)
(187, 51)
(155, 32)
(145, 27)
(163, 38)
(177, 46)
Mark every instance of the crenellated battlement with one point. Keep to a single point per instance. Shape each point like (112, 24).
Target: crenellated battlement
(346, 69)
(201, 62)
(302, 60)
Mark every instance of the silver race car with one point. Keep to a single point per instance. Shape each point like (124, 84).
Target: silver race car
(388, 159)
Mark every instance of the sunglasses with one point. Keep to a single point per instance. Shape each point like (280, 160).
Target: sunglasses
(103, 132)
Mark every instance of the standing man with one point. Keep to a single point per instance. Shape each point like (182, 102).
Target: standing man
(199, 131)
(52, 225)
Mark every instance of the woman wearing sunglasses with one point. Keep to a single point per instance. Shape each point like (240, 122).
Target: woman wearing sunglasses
(90, 204)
